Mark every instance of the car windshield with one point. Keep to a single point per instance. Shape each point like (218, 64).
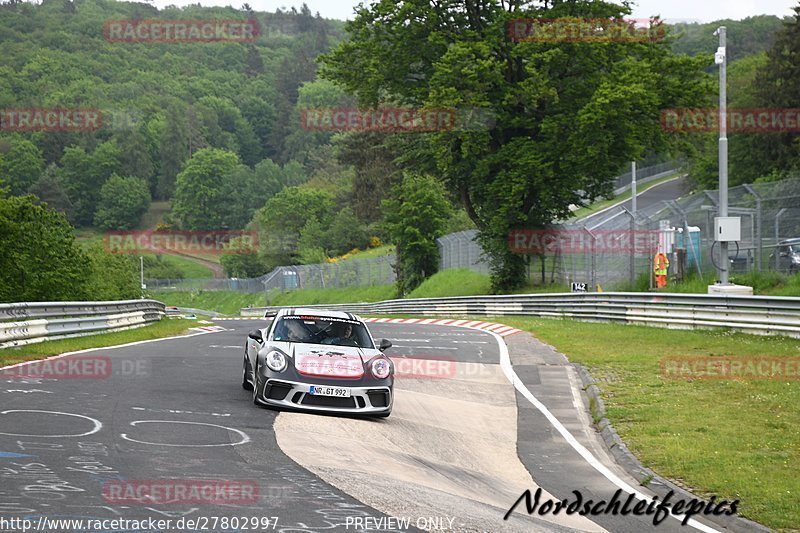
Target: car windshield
(323, 330)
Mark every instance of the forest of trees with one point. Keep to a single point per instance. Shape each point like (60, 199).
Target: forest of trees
(214, 129)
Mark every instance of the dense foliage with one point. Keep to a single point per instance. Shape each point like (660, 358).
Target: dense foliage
(39, 260)
(209, 135)
(767, 80)
(568, 115)
(415, 217)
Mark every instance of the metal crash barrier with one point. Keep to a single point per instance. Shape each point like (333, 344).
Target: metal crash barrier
(26, 323)
(762, 315)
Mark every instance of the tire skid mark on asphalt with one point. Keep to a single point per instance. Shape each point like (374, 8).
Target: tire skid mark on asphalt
(443, 452)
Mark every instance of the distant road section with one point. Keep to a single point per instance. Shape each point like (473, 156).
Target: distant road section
(669, 190)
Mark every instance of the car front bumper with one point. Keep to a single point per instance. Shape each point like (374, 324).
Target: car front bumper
(288, 394)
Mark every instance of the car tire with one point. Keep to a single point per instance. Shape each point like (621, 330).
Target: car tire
(246, 385)
(256, 401)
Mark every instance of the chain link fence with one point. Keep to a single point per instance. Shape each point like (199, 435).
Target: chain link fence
(592, 264)
(353, 273)
(461, 250)
(644, 175)
(683, 229)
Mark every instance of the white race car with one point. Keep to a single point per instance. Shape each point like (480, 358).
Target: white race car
(310, 359)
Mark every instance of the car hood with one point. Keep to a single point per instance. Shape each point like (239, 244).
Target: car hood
(331, 361)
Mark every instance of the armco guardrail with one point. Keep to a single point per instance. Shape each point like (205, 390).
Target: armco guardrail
(26, 323)
(752, 314)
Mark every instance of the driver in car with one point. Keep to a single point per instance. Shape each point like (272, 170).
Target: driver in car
(343, 335)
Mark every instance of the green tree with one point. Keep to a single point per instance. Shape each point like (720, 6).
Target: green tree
(311, 244)
(85, 175)
(135, 156)
(123, 201)
(280, 221)
(567, 115)
(50, 189)
(174, 149)
(777, 86)
(415, 217)
(346, 233)
(111, 276)
(199, 188)
(21, 163)
(39, 260)
(241, 265)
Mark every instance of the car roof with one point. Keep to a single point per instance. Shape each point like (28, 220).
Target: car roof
(790, 241)
(323, 313)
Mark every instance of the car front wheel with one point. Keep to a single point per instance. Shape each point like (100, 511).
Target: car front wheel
(246, 385)
(255, 385)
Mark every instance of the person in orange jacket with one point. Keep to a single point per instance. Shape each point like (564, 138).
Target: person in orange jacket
(660, 267)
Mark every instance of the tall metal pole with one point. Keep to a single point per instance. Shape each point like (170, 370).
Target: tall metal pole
(723, 147)
(633, 189)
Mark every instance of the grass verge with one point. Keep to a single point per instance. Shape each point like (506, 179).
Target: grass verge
(333, 296)
(230, 303)
(41, 350)
(454, 282)
(732, 439)
(226, 302)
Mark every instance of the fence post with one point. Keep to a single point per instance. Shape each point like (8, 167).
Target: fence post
(778, 224)
(594, 258)
(759, 244)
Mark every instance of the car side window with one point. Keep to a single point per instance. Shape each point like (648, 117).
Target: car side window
(280, 331)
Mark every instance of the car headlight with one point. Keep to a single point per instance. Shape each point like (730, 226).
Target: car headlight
(381, 368)
(276, 361)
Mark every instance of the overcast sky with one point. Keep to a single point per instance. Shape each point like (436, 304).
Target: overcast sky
(700, 10)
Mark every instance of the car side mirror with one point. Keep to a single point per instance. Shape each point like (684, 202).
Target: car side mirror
(784, 254)
(256, 335)
(385, 345)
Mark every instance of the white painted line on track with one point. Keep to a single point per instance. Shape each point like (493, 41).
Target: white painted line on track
(244, 438)
(114, 347)
(508, 370)
(97, 424)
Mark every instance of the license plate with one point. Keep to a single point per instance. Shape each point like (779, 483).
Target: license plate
(339, 392)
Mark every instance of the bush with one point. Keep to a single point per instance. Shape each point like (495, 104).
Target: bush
(156, 267)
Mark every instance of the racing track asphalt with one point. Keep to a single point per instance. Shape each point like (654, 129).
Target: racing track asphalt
(174, 409)
(655, 195)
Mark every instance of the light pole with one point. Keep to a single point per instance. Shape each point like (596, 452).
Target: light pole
(721, 59)
(633, 189)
